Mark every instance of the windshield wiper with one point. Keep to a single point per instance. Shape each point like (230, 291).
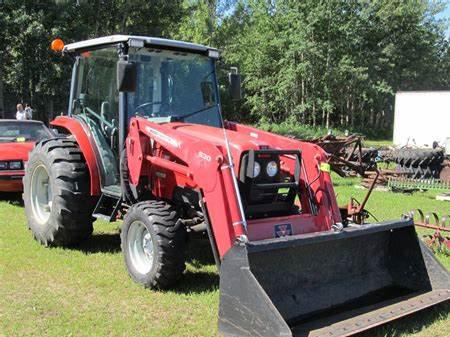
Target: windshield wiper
(182, 117)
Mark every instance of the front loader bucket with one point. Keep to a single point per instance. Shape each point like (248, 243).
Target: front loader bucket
(328, 284)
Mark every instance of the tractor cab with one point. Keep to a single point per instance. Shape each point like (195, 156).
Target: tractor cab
(120, 77)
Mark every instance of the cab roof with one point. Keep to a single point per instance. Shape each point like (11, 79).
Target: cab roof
(140, 41)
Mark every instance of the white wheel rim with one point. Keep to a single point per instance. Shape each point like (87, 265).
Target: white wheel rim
(41, 194)
(140, 246)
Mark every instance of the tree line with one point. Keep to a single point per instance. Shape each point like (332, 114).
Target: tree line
(329, 63)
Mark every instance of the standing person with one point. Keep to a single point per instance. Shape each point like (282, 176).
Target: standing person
(20, 114)
(28, 111)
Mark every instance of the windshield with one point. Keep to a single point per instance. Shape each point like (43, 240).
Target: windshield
(174, 84)
(21, 132)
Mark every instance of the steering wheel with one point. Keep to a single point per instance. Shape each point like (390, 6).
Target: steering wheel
(145, 105)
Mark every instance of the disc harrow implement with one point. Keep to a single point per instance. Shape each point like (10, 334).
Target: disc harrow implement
(438, 240)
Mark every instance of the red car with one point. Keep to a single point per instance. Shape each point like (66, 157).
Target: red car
(17, 138)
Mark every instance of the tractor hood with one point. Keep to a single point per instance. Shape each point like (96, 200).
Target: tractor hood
(239, 142)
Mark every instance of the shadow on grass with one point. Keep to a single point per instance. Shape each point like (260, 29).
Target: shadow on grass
(100, 243)
(199, 252)
(410, 324)
(199, 255)
(197, 282)
(14, 198)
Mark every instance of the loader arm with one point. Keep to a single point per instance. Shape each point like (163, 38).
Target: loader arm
(180, 159)
(206, 171)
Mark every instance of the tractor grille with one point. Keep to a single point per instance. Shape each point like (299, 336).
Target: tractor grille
(265, 193)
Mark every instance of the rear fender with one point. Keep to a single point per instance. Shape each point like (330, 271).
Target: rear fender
(85, 142)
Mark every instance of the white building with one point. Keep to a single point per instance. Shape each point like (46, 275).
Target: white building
(422, 117)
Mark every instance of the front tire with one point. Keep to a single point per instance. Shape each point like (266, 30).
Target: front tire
(153, 244)
(56, 194)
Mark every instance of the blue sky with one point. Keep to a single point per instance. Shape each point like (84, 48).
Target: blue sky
(446, 15)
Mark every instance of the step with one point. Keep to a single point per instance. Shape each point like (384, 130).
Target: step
(112, 190)
(109, 204)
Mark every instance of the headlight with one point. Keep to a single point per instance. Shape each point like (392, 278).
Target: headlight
(15, 165)
(272, 169)
(256, 169)
(3, 165)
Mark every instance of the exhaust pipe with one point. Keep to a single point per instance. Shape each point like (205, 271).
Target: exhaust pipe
(328, 284)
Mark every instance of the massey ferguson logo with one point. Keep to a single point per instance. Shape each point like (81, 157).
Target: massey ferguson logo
(283, 230)
(163, 136)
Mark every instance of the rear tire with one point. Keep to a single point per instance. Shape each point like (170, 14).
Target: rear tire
(153, 244)
(56, 194)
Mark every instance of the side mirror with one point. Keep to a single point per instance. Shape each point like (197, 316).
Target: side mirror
(126, 76)
(234, 79)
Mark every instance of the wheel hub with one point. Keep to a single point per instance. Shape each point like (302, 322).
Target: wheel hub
(147, 244)
(140, 247)
(41, 194)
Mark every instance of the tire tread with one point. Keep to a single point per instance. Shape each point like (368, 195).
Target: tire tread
(171, 242)
(73, 219)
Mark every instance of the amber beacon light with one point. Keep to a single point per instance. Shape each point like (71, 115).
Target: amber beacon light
(57, 45)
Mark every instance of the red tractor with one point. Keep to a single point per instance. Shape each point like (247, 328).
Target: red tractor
(144, 140)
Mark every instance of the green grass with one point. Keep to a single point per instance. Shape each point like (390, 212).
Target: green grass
(87, 292)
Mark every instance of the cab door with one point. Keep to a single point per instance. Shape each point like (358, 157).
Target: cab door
(95, 101)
